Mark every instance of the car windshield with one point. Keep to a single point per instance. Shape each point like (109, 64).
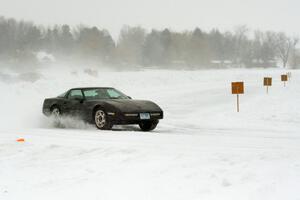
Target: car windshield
(103, 93)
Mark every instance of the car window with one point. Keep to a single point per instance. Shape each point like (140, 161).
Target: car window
(75, 94)
(103, 93)
(95, 94)
(113, 93)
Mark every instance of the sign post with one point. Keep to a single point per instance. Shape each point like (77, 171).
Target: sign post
(284, 78)
(267, 82)
(237, 88)
(289, 74)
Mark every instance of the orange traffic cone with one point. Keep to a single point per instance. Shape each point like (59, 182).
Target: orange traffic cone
(21, 140)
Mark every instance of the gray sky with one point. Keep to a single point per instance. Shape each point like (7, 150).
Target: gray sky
(277, 15)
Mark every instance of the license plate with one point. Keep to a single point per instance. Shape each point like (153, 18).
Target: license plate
(144, 116)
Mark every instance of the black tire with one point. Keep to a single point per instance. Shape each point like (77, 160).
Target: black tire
(55, 111)
(148, 125)
(101, 121)
(56, 115)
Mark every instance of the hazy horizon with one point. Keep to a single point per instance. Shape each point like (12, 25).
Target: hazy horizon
(174, 14)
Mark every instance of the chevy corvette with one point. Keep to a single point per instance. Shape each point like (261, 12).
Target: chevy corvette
(104, 107)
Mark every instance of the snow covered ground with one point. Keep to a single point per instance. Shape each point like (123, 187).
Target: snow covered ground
(203, 149)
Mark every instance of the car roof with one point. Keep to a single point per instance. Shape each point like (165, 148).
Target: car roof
(85, 88)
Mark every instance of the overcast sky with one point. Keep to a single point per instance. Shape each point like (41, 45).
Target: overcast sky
(277, 15)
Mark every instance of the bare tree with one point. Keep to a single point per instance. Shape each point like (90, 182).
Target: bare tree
(240, 42)
(20, 40)
(284, 46)
(294, 57)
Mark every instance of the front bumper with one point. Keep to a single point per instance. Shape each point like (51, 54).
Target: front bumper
(134, 118)
(46, 111)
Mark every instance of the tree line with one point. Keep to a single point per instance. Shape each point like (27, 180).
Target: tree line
(137, 47)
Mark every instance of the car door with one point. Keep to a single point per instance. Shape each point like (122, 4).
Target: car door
(73, 104)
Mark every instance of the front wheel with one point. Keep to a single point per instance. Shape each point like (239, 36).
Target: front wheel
(101, 120)
(56, 115)
(148, 125)
(55, 112)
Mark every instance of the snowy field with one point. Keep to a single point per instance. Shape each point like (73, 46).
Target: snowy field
(203, 149)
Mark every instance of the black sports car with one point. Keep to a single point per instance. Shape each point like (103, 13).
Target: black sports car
(104, 107)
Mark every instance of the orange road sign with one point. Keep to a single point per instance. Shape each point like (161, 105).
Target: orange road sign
(237, 87)
(284, 77)
(267, 81)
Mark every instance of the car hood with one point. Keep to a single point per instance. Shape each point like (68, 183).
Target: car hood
(129, 105)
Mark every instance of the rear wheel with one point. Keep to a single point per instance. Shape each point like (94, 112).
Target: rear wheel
(101, 120)
(148, 125)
